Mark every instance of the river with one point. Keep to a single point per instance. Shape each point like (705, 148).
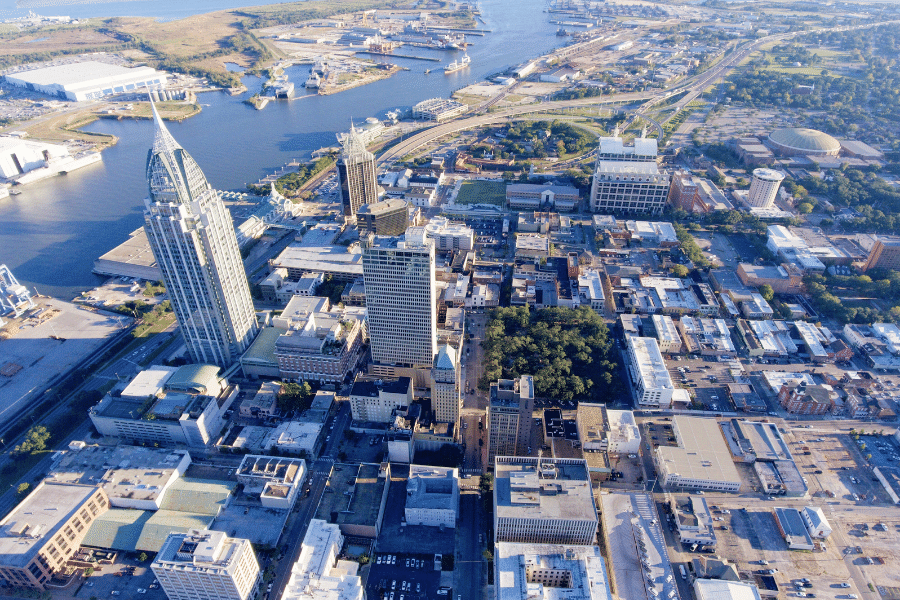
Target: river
(52, 232)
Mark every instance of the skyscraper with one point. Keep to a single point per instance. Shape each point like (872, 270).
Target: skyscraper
(193, 240)
(400, 298)
(445, 398)
(356, 173)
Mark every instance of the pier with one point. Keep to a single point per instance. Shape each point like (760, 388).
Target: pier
(394, 55)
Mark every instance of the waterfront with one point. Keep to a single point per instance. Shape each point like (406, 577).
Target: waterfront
(52, 232)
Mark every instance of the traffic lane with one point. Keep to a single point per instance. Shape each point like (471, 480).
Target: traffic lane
(469, 572)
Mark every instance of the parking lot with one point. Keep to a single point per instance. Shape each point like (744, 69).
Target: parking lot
(706, 378)
(407, 577)
(126, 579)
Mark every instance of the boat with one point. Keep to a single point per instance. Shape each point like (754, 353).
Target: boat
(427, 71)
(457, 65)
(314, 81)
(561, 32)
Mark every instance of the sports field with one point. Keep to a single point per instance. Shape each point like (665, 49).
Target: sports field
(482, 192)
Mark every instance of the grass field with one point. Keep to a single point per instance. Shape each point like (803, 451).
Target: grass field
(482, 192)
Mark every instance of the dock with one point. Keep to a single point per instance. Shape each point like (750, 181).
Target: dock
(395, 55)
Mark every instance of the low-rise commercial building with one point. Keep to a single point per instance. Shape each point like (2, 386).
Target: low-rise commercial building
(603, 430)
(543, 501)
(532, 246)
(793, 529)
(45, 530)
(263, 403)
(783, 279)
(590, 290)
(707, 337)
(803, 399)
(701, 461)
(666, 334)
(375, 398)
(816, 523)
(276, 480)
(355, 497)
(530, 196)
(549, 572)
(694, 521)
(181, 406)
(318, 573)
(432, 496)
(206, 565)
(717, 589)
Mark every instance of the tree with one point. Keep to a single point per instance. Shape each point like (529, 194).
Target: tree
(765, 290)
(295, 396)
(142, 557)
(22, 490)
(805, 208)
(35, 441)
(680, 271)
(89, 571)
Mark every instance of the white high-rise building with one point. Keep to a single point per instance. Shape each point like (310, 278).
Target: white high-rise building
(206, 565)
(400, 299)
(446, 401)
(193, 240)
(764, 187)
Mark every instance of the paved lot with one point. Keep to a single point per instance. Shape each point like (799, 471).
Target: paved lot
(109, 578)
(396, 539)
(398, 580)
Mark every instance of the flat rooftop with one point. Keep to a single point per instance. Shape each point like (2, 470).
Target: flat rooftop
(702, 453)
(126, 473)
(38, 517)
(371, 386)
(531, 488)
(518, 568)
(283, 470)
(353, 495)
(764, 439)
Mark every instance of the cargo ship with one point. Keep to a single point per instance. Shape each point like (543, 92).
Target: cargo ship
(457, 65)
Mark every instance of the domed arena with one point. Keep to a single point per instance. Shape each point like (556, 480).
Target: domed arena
(796, 141)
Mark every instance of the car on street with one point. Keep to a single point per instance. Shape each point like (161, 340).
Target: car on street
(843, 584)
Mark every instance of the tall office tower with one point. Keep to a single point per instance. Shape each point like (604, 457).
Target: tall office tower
(446, 401)
(193, 241)
(400, 298)
(356, 173)
(509, 417)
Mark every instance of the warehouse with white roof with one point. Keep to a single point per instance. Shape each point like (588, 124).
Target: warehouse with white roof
(87, 80)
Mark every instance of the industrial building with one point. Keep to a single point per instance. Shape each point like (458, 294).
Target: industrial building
(629, 187)
(45, 530)
(543, 501)
(388, 217)
(717, 589)
(86, 80)
(816, 523)
(509, 417)
(18, 156)
(700, 461)
(549, 572)
(374, 399)
(649, 375)
(432, 496)
(603, 430)
(319, 573)
(188, 407)
(206, 565)
(793, 529)
(277, 481)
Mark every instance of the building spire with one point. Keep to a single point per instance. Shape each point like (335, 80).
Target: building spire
(162, 139)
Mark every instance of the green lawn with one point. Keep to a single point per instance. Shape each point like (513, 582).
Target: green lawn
(482, 192)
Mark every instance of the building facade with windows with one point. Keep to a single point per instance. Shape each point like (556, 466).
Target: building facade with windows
(206, 565)
(629, 187)
(193, 240)
(45, 530)
(401, 299)
(509, 417)
(446, 400)
(356, 174)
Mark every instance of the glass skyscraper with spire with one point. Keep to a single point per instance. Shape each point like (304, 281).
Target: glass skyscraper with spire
(192, 237)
